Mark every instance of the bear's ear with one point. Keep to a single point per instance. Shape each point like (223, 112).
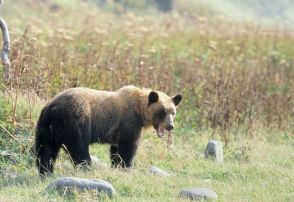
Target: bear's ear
(177, 99)
(152, 98)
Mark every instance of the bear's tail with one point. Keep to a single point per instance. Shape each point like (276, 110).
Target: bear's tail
(43, 133)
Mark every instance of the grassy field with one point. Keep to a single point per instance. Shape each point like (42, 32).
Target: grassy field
(237, 79)
(266, 176)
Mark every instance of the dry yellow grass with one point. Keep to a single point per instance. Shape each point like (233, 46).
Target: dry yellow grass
(237, 80)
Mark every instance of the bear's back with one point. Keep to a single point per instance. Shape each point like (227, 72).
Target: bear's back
(80, 95)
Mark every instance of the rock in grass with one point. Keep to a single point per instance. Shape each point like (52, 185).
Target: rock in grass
(8, 155)
(214, 150)
(68, 184)
(199, 155)
(96, 162)
(199, 194)
(157, 171)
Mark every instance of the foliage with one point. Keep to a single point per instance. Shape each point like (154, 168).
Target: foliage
(232, 75)
(236, 79)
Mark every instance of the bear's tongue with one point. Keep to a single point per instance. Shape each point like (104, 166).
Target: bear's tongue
(160, 131)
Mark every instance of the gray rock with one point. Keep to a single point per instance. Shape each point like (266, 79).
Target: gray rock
(8, 155)
(69, 184)
(8, 173)
(207, 180)
(96, 162)
(214, 150)
(199, 194)
(199, 155)
(157, 171)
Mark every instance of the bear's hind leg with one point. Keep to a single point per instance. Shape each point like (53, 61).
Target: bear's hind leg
(79, 153)
(46, 157)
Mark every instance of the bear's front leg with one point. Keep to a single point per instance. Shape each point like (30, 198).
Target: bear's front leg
(123, 154)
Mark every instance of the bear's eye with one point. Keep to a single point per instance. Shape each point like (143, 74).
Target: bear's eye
(160, 114)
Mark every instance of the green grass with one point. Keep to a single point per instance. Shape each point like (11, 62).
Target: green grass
(266, 176)
(258, 168)
(236, 79)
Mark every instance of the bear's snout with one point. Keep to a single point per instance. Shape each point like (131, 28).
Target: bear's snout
(169, 127)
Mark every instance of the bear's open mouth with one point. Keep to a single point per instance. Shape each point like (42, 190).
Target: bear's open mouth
(160, 130)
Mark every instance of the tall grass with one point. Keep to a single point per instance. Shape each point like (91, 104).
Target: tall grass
(234, 76)
(237, 80)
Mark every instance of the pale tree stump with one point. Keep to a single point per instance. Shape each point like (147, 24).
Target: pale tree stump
(5, 48)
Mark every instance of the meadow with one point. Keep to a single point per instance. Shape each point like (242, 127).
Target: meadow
(237, 80)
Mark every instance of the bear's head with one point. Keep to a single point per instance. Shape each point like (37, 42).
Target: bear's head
(162, 111)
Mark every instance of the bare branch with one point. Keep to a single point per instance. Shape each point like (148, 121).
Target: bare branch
(6, 47)
(12, 136)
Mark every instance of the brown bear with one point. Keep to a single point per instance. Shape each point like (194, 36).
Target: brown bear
(78, 117)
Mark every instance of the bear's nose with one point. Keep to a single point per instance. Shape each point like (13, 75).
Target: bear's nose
(169, 127)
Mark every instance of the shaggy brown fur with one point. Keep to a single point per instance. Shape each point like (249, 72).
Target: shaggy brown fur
(78, 117)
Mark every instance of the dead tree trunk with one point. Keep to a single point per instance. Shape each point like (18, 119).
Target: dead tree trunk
(5, 48)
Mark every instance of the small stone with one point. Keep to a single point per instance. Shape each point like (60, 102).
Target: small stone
(8, 173)
(207, 180)
(214, 150)
(199, 155)
(8, 155)
(96, 162)
(157, 171)
(69, 184)
(13, 175)
(198, 194)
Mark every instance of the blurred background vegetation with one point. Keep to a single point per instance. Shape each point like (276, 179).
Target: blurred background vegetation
(232, 60)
